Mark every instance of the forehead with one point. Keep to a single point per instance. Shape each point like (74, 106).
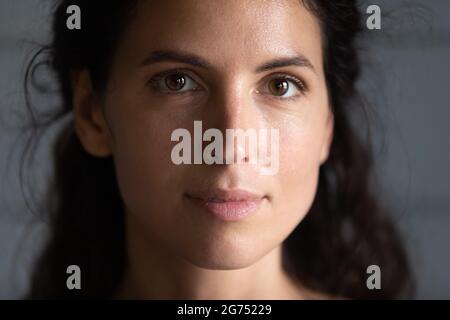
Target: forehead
(226, 31)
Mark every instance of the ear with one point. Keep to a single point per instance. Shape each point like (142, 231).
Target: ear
(329, 132)
(89, 120)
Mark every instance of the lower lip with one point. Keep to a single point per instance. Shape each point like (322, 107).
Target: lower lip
(229, 210)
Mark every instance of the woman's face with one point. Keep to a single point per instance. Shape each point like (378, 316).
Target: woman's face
(230, 64)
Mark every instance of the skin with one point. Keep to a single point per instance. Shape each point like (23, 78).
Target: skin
(175, 250)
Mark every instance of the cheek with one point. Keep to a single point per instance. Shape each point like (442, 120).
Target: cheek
(300, 148)
(299, 154)
(145, 172)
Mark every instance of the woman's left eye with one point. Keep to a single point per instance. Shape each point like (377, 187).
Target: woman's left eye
(284, 87)
(174, 82)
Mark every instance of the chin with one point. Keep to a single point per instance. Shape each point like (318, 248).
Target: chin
(234, 263)
(223, 256)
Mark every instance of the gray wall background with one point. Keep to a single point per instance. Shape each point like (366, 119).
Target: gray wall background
(408, 79)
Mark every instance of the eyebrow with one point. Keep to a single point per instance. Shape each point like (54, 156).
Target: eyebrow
(299, 60)
(197, 61)
(175, 56)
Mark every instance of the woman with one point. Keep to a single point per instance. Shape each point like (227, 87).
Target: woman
(141, 226)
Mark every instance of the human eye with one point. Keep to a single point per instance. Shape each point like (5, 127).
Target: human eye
(174, 82)
(283, 86)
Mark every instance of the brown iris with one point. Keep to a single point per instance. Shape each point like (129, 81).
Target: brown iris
(175, 82)
(278, 87)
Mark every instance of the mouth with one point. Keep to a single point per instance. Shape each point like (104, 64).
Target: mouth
(227, 205)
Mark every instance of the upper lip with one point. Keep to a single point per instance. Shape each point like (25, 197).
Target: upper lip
(222, 195)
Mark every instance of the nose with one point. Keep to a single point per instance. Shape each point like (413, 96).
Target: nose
(234, 113)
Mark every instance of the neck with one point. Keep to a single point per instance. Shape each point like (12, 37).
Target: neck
(153, 272)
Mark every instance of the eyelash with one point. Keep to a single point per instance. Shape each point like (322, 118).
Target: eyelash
(154, 81)
(300, 84)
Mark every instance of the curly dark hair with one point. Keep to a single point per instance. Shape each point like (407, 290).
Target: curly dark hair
(345, 231)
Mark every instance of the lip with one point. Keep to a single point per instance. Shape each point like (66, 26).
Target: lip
(227, 205)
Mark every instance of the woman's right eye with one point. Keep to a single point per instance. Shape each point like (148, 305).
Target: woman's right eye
(174, 82)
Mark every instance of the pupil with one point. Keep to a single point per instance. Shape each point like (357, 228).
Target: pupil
(279, 87)
(175, 82)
